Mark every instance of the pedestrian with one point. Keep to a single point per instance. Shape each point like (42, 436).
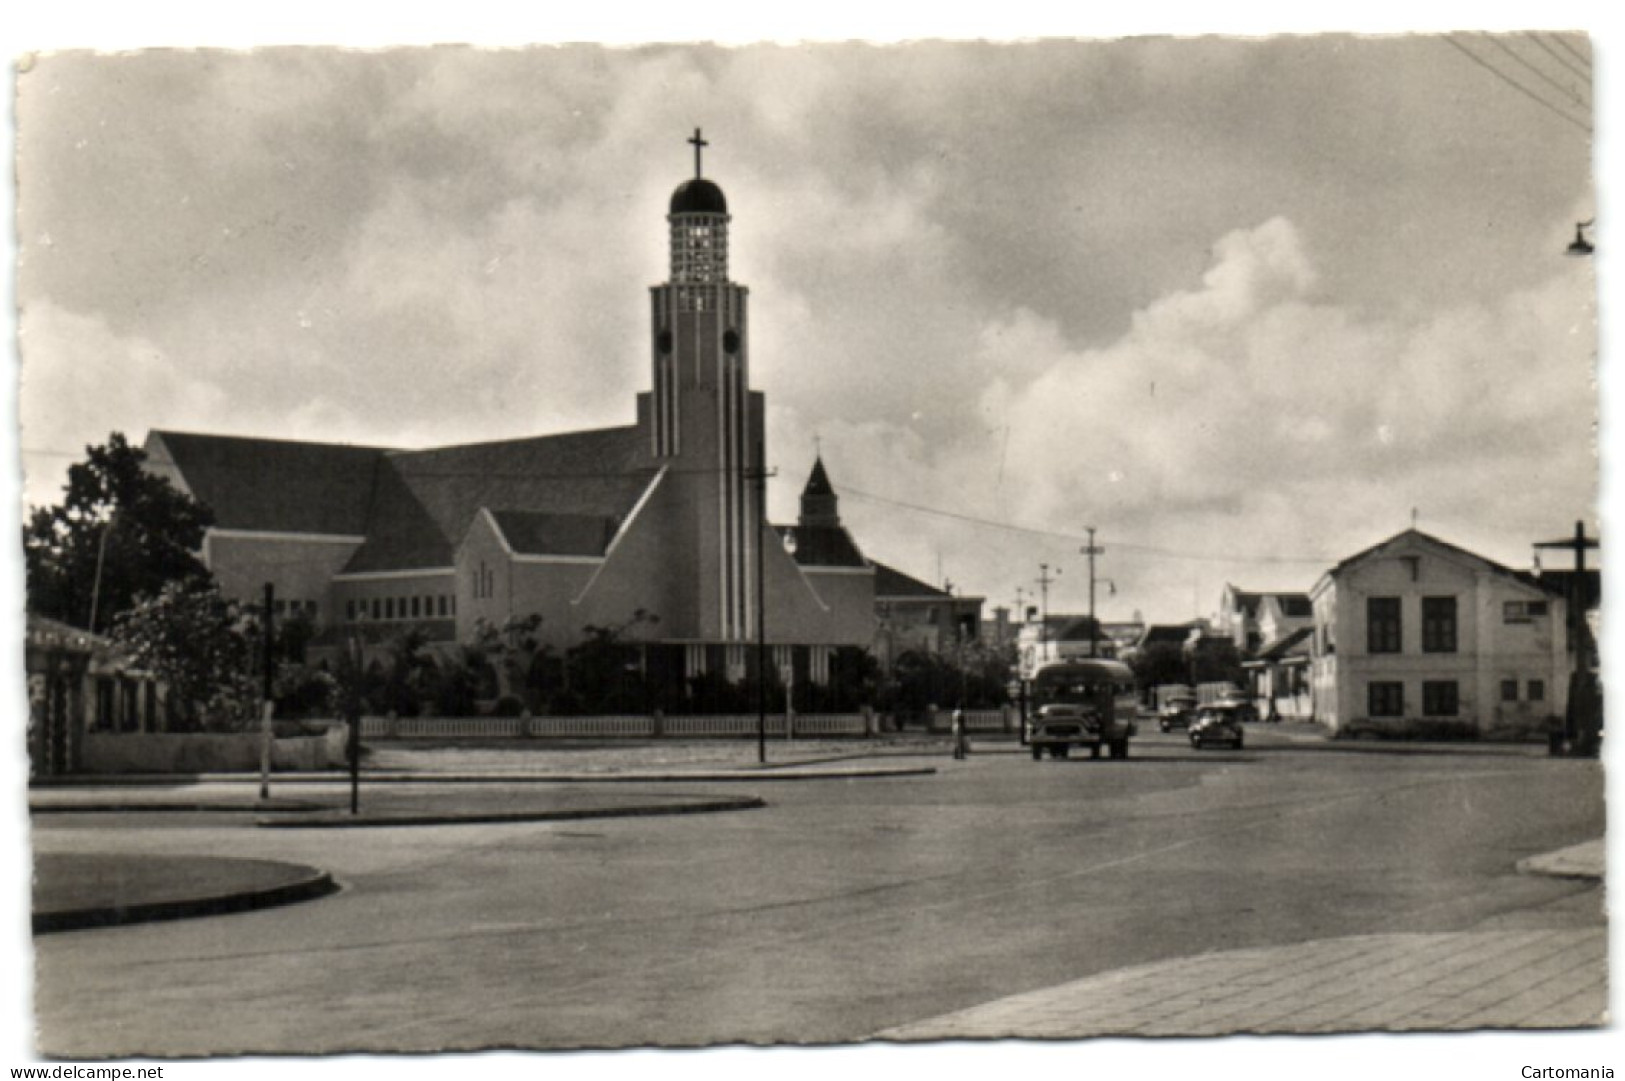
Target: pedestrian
(961, 743)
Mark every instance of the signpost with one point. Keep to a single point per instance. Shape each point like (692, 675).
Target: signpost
(787, 675)
(267, 705)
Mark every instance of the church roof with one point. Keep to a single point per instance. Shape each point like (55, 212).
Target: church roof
(529, 533)
(550, 494)
(893, 583)
(426, 500)
(818, 481)
(277, 485)
(823, 546)
(698, 196)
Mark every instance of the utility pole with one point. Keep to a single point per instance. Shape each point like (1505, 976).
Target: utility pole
(352, 717)
(1583, 724)
(1044, 580)
(1092, 550)
(759, 476)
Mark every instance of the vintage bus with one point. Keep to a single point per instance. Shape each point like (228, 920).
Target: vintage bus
(1082, 703)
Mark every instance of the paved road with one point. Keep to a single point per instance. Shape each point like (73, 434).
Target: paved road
(843, 909)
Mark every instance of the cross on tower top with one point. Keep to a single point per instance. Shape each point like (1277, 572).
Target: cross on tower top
(698, 143)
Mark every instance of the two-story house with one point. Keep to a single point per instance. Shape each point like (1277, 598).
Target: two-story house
(1415, 629)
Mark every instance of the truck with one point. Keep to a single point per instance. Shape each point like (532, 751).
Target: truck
(1088, 702)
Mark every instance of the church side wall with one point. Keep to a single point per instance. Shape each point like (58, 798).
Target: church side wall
(851, 599)
(653, 567)
(298, 570)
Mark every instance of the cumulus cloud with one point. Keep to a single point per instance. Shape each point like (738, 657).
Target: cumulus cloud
(1191, 293)
(1243, 418)
(80, 382)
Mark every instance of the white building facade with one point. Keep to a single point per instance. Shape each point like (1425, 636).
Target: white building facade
(1418, 630)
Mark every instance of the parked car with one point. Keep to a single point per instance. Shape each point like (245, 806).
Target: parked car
(1246, 712)
(1177, 713)
(1217, 724)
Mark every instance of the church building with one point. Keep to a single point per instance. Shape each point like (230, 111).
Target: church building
(661, 517)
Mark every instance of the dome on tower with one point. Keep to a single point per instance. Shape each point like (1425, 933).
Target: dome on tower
(698, 196)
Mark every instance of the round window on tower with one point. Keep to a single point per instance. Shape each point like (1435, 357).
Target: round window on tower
(730, 341)
(663, 342)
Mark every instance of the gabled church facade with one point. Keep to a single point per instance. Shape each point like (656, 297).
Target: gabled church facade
(583, 528)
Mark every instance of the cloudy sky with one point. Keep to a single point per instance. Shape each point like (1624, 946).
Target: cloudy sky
(1242, 306)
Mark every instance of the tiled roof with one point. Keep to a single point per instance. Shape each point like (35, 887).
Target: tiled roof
(1521, 576)
(426, 500)
(277, 485)
(414, 507)
(1295, 605)
(1295, 641)
(529, 533)
(824, 546)
(891, 583)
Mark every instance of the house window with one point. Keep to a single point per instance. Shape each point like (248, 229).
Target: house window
(1382, 625)
(1509, 690)
(1385, 699)
(415, 603)
(443, 606)
(1522, 611)
(1440, 698)
(377, 608)
(1438, 624)
(1537, 690)
(349, 611)
(389, 607)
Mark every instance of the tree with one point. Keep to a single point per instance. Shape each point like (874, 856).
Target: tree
(514, 652)
(1159, 663)
(204, 647)
(119, 533)
(603, 672)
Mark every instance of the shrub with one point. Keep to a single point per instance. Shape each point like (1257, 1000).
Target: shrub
(509, 705)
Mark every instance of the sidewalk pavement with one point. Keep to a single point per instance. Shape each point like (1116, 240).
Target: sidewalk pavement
(53, 788)
(386, 804)
(1434, 982)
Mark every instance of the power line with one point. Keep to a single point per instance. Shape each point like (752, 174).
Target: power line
(1572, 51)
(1144, 549)
(1519, 87)
(1555, 55)
(1504, 47)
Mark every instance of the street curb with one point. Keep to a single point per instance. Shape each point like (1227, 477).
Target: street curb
(755, 773)
(316, 884)
(291, 806)
(340, 820)
(1586, 860)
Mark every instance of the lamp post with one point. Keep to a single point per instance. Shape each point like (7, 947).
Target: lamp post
(1581, 246)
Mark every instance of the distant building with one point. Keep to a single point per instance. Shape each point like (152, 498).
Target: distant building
(915, 616)
(81, 684)
(1251, 619)
(1279, 676)
(1415, 628)
(1061, 638)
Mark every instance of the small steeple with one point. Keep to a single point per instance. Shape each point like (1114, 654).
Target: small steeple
(818, 502)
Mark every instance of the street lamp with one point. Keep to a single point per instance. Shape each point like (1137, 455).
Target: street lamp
(1581, 245)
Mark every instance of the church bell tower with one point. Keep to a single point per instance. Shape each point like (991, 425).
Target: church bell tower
(705, 422)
